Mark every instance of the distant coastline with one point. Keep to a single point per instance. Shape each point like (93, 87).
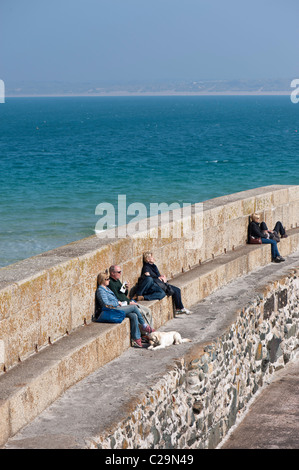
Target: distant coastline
(270, 87)
(162, 93)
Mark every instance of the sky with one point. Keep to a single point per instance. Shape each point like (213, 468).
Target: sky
(148, 40)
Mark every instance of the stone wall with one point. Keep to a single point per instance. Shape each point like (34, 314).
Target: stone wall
(196, 403)
(48, 296)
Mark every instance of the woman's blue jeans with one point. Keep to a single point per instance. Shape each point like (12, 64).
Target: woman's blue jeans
(274, 249)
(136, 318)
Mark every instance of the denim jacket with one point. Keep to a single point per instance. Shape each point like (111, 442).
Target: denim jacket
(106, 296)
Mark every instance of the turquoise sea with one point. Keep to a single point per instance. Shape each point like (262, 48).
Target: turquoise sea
(61, 157)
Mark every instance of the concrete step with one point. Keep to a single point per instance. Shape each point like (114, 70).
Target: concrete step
(31, 386)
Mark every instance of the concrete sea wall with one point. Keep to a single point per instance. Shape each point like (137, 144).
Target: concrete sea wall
(201, 397)
(48, 342)
(50, 295)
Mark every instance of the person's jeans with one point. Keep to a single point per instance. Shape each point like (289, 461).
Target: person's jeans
(177, 297)
(274, 249)
(136, 318)
(150, 290)
(278, 227)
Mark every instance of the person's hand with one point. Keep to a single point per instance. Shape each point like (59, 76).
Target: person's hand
(119, 303)
(147, 274)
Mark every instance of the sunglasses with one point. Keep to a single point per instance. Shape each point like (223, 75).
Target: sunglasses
(118, 272)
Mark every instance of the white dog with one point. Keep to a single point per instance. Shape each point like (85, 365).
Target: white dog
(162, 339)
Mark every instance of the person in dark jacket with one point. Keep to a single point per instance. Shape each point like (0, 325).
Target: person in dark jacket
(121, 290)
(260, 230)
(150, 270)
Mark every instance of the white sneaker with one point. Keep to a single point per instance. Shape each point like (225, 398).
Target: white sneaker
(183, 310)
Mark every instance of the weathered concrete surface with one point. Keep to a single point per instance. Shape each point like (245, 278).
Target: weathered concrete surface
(272, 421)
(108, 395)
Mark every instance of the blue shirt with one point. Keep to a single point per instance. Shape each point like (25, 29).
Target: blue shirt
(106, 296)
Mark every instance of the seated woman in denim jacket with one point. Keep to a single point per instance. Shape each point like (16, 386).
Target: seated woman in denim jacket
(260, 230)
(107, 298)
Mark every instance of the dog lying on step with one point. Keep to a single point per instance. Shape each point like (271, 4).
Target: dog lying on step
(162, 339)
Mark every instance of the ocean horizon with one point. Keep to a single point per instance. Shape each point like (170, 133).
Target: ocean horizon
(62, 157)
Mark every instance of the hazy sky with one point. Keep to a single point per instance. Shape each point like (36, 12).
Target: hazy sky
(121, 40)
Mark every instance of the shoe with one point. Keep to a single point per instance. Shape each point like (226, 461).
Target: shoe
(284, 236)
(136, 343)
(147, 329)
(182, 311)
(281, 258)
(145, 339)
(278, 259)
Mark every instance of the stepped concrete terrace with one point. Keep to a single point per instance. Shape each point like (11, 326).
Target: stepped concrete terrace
(48, 342)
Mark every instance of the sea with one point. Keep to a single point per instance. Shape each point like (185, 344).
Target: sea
(61, 158)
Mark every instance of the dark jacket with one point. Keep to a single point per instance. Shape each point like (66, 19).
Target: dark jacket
(154, 272)
(255, 230)
(152, 269)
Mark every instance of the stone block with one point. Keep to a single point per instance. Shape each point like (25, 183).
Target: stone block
(263, 201)
(248, 206)
(235, 233)
(82, 302)
(113, 343)
(4, 422)
(213, 217)
(55, 317)
(281, 197)
(23, 334)
(84, 361)
(190, 293)
(214, 243)
(122, 251)
(274, 349)
(282, 298)
(172, 259)
(31, 290)
(208, 282)
(233, 211)
(293, 193)
(292, 221)
(269, 307)
(94, 262)
(146, 241)
(33, 397)
(131, 270)
(64, 274)
(236, 267)
(8, 301)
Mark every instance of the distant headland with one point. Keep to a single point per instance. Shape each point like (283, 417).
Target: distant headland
(150, 88)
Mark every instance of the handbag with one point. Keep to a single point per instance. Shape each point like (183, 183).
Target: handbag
(111, 315)
(164, 286)
(275, 236)
(255, 240)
